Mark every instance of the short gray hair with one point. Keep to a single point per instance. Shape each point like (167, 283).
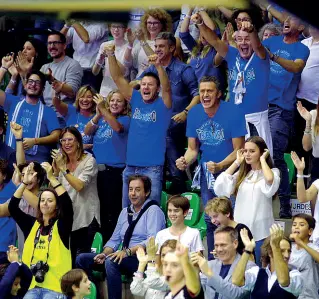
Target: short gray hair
(276, 29)
(229, 230)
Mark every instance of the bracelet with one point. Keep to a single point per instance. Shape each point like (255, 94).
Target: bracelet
(248, 252)
(307, 132)
(92, 122)
(35, 141)
(5, 68)
(267, 8)
(139, 274)
(187, 16)
(143, 43)
(129, 47)
(200, 23)
(13, 81)
(237, 163)
(19, 139)
(301, 176)
(66, 26)
(58, 185)
(185, 111)
(109, 55)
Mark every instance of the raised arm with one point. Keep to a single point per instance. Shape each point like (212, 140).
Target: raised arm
(17, 131)
(59, 105)
(307, 136)
(190, 156)
(6, 63)
(117, 75)
(234, 166)
(268, 174)
(210, 36)
(80, 30)
(226, 12)
(145, 46)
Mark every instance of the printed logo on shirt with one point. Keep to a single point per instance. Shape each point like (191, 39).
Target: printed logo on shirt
(249, 75)
(149, 116)
(211, 133)
(103, 133)
(274, 66)
(26, 119)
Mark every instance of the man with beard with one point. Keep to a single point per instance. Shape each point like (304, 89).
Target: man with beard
(41, 129)
(248, 76)
(65, 73)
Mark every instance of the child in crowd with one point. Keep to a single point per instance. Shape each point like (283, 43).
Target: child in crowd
(75, 284)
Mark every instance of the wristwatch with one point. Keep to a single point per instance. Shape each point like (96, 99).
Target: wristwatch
(65, 172)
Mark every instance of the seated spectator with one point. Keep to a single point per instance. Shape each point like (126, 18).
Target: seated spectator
(305, 254)
(75, 284)
(177, 210)
(154, 285)
(86, 38)
(217, 274)
(110, 127)
(151, 116)
(141, 220)
(254, 185)
(41, 129)
(77, 172)
(275, 279)
(65, 74)
(15, 277)
(181, 276)
(46, 235)
(80, 113)
(269, 30)
(220, 211)
(101, 63)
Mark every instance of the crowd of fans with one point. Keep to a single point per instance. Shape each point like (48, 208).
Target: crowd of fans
(87, 144)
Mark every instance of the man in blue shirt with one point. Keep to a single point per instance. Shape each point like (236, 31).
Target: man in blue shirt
(41, 129)
(119, 252)
(149, 123)
(216, 131)
(184, 96)
(288, 58)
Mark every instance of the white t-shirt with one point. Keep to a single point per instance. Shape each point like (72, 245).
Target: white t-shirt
(303, 261)
(190, 238)
(315, 139)
(308, 87)
(108, 83)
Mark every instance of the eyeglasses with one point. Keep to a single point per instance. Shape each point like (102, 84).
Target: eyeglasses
(65, 140)
(243, 20)
(117, 27)
(153, 23)
(34, 82)
(54, 43)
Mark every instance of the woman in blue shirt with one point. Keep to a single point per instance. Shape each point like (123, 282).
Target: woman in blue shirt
(109, 128)
(80, 113)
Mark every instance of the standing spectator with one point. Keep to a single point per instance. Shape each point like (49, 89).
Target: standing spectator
(177, 210)
(248, 74)
(101, 62)
(136, 224)
(150, 120)
(86, 38)
(254, 185)
(288, 58)
(305, 254)
(184, 96)
(308, 95)
(214, 135)
(77, 173)
(51, 229)
(65, 73)
(79, 114)
(41, 129)
(110, 127)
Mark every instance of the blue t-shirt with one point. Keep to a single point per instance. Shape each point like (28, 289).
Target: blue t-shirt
(109, 147)
(147, 136)
(8, 231)
(215, 134)
(76, 119)
(283, 84)
(256, 78)
(28, 117)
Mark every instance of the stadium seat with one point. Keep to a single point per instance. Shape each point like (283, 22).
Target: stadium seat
(93, 292)
(291, 169)
(201, 226)
(164, 199)
(97, 247)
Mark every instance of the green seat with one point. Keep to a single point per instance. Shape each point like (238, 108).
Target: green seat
(291, 169)
(97, 247)
(93, 292)
(201, 226)
(168, 185)
(164, 199)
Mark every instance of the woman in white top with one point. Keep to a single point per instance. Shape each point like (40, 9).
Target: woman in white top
(153, 286)
(77, 172)
(254, 185)
(305, 195)
(310, 139)
(118, 32)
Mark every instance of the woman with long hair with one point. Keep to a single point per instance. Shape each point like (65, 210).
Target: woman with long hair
(254, 185)
(153, 286)
(109, 128)
(77, 171)
(80, 113)
(46, 249)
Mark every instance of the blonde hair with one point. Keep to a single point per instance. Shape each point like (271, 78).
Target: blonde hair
(127, 108)
(81, 92)
(158, 14)
(220, 205)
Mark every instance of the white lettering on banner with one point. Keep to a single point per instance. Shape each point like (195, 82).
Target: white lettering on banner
(298, 208)
(150, 116)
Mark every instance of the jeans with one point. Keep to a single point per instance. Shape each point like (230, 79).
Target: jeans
(113, 271)
(281, 124)
(155, 173)
(40, 293)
